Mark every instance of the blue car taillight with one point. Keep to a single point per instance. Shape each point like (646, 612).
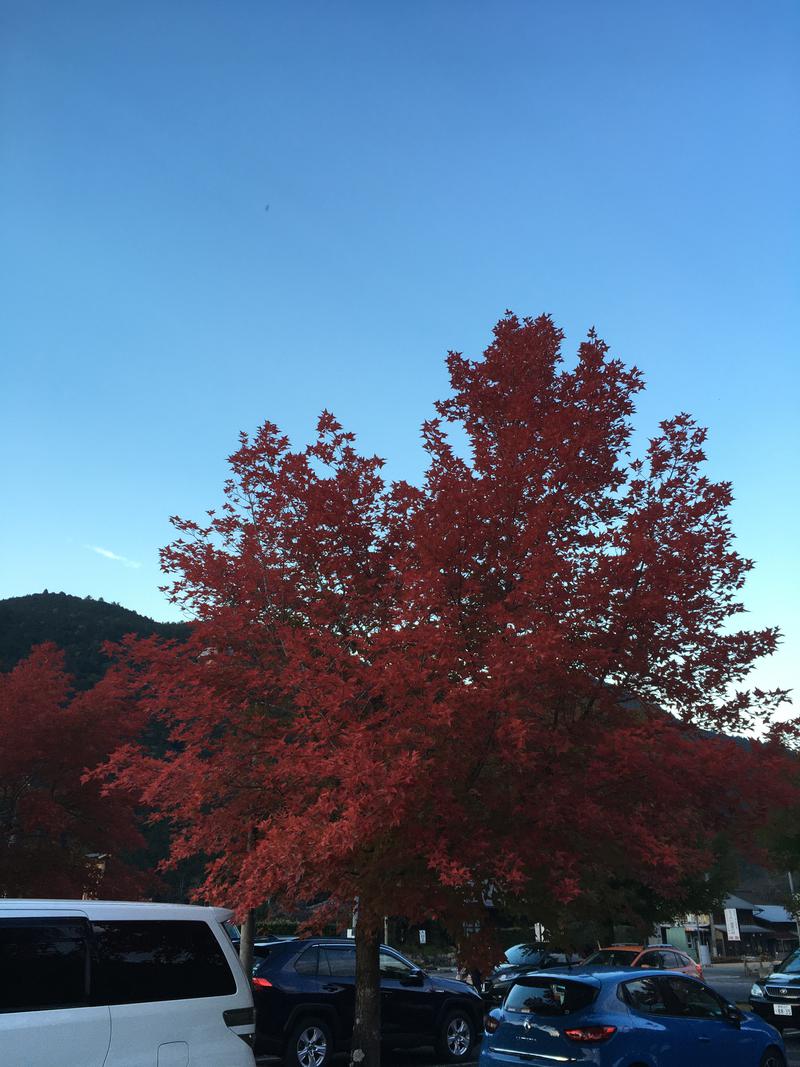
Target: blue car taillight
(590, 1034)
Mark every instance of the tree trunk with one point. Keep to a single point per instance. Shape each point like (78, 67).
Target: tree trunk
(246, 942)
(248, 930)
(365, 1050)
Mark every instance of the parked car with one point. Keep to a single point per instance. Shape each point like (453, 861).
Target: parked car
(261, 944)
(777, 997)
(661, 957)
(625, 1019)
(89, 983)
(519, 960)
(304, 993)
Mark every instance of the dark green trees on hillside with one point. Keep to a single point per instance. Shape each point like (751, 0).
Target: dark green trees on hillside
(79, 626)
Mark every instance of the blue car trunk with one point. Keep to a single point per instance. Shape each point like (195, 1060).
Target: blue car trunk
(536, 1015)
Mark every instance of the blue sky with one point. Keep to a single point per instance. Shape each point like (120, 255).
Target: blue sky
(426, 165)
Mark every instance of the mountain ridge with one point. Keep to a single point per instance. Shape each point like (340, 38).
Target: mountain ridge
(78, 625)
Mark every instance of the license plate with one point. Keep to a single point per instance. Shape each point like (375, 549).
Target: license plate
(782, 1009)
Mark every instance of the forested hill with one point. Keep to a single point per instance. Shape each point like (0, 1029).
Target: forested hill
(78, 625)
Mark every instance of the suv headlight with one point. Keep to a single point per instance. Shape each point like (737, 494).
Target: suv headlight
(757, 991)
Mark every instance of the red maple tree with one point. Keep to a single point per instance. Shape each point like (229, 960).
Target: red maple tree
(59, 836)
(491, 682)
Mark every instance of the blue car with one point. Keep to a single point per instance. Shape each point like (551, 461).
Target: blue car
(625, 1018)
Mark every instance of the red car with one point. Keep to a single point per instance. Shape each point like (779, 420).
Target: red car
(660, 957)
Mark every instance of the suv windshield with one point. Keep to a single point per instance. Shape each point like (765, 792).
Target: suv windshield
(611, 957)
(549, 996)
(791, 965)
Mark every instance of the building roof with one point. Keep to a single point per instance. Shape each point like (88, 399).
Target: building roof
(737, 902)
(771, 913)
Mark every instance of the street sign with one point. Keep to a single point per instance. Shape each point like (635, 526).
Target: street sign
(732, 924)
(422, 937)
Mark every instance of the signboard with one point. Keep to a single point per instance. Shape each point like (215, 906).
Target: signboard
(732, 924)
(422, 937)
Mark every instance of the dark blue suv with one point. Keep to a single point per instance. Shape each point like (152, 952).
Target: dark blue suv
(304, 992)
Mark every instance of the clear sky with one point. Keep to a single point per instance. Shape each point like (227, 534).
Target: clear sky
(425, 165)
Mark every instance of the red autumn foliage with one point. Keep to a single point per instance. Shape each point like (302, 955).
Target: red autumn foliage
(410, 693)
(59, 836)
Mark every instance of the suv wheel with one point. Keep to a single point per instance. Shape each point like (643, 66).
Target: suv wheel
(309, 1044)
(456, 1036)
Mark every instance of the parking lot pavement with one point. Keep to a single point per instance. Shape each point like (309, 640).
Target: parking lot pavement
(410, 1057)
(425, 1057)
(732, 985)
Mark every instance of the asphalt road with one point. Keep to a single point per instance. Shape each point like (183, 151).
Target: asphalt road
(730, 981)
(426, 1057)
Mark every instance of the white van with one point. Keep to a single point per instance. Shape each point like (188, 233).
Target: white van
(91, 983)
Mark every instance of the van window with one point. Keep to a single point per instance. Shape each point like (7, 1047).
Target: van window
(137, 961)
(44, 964)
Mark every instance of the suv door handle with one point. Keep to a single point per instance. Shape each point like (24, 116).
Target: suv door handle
(705, 1040)
(333, 988)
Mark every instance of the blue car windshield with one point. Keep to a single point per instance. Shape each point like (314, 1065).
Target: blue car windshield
(548, 996)
(791, 965)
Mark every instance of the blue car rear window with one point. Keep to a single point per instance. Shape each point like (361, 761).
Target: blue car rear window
(550, 996)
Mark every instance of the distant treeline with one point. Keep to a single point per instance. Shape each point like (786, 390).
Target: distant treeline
(79, 625)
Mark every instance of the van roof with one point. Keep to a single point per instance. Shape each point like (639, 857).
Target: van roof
(115, 909)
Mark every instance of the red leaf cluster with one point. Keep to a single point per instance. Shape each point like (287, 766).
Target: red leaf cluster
(59, 836)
